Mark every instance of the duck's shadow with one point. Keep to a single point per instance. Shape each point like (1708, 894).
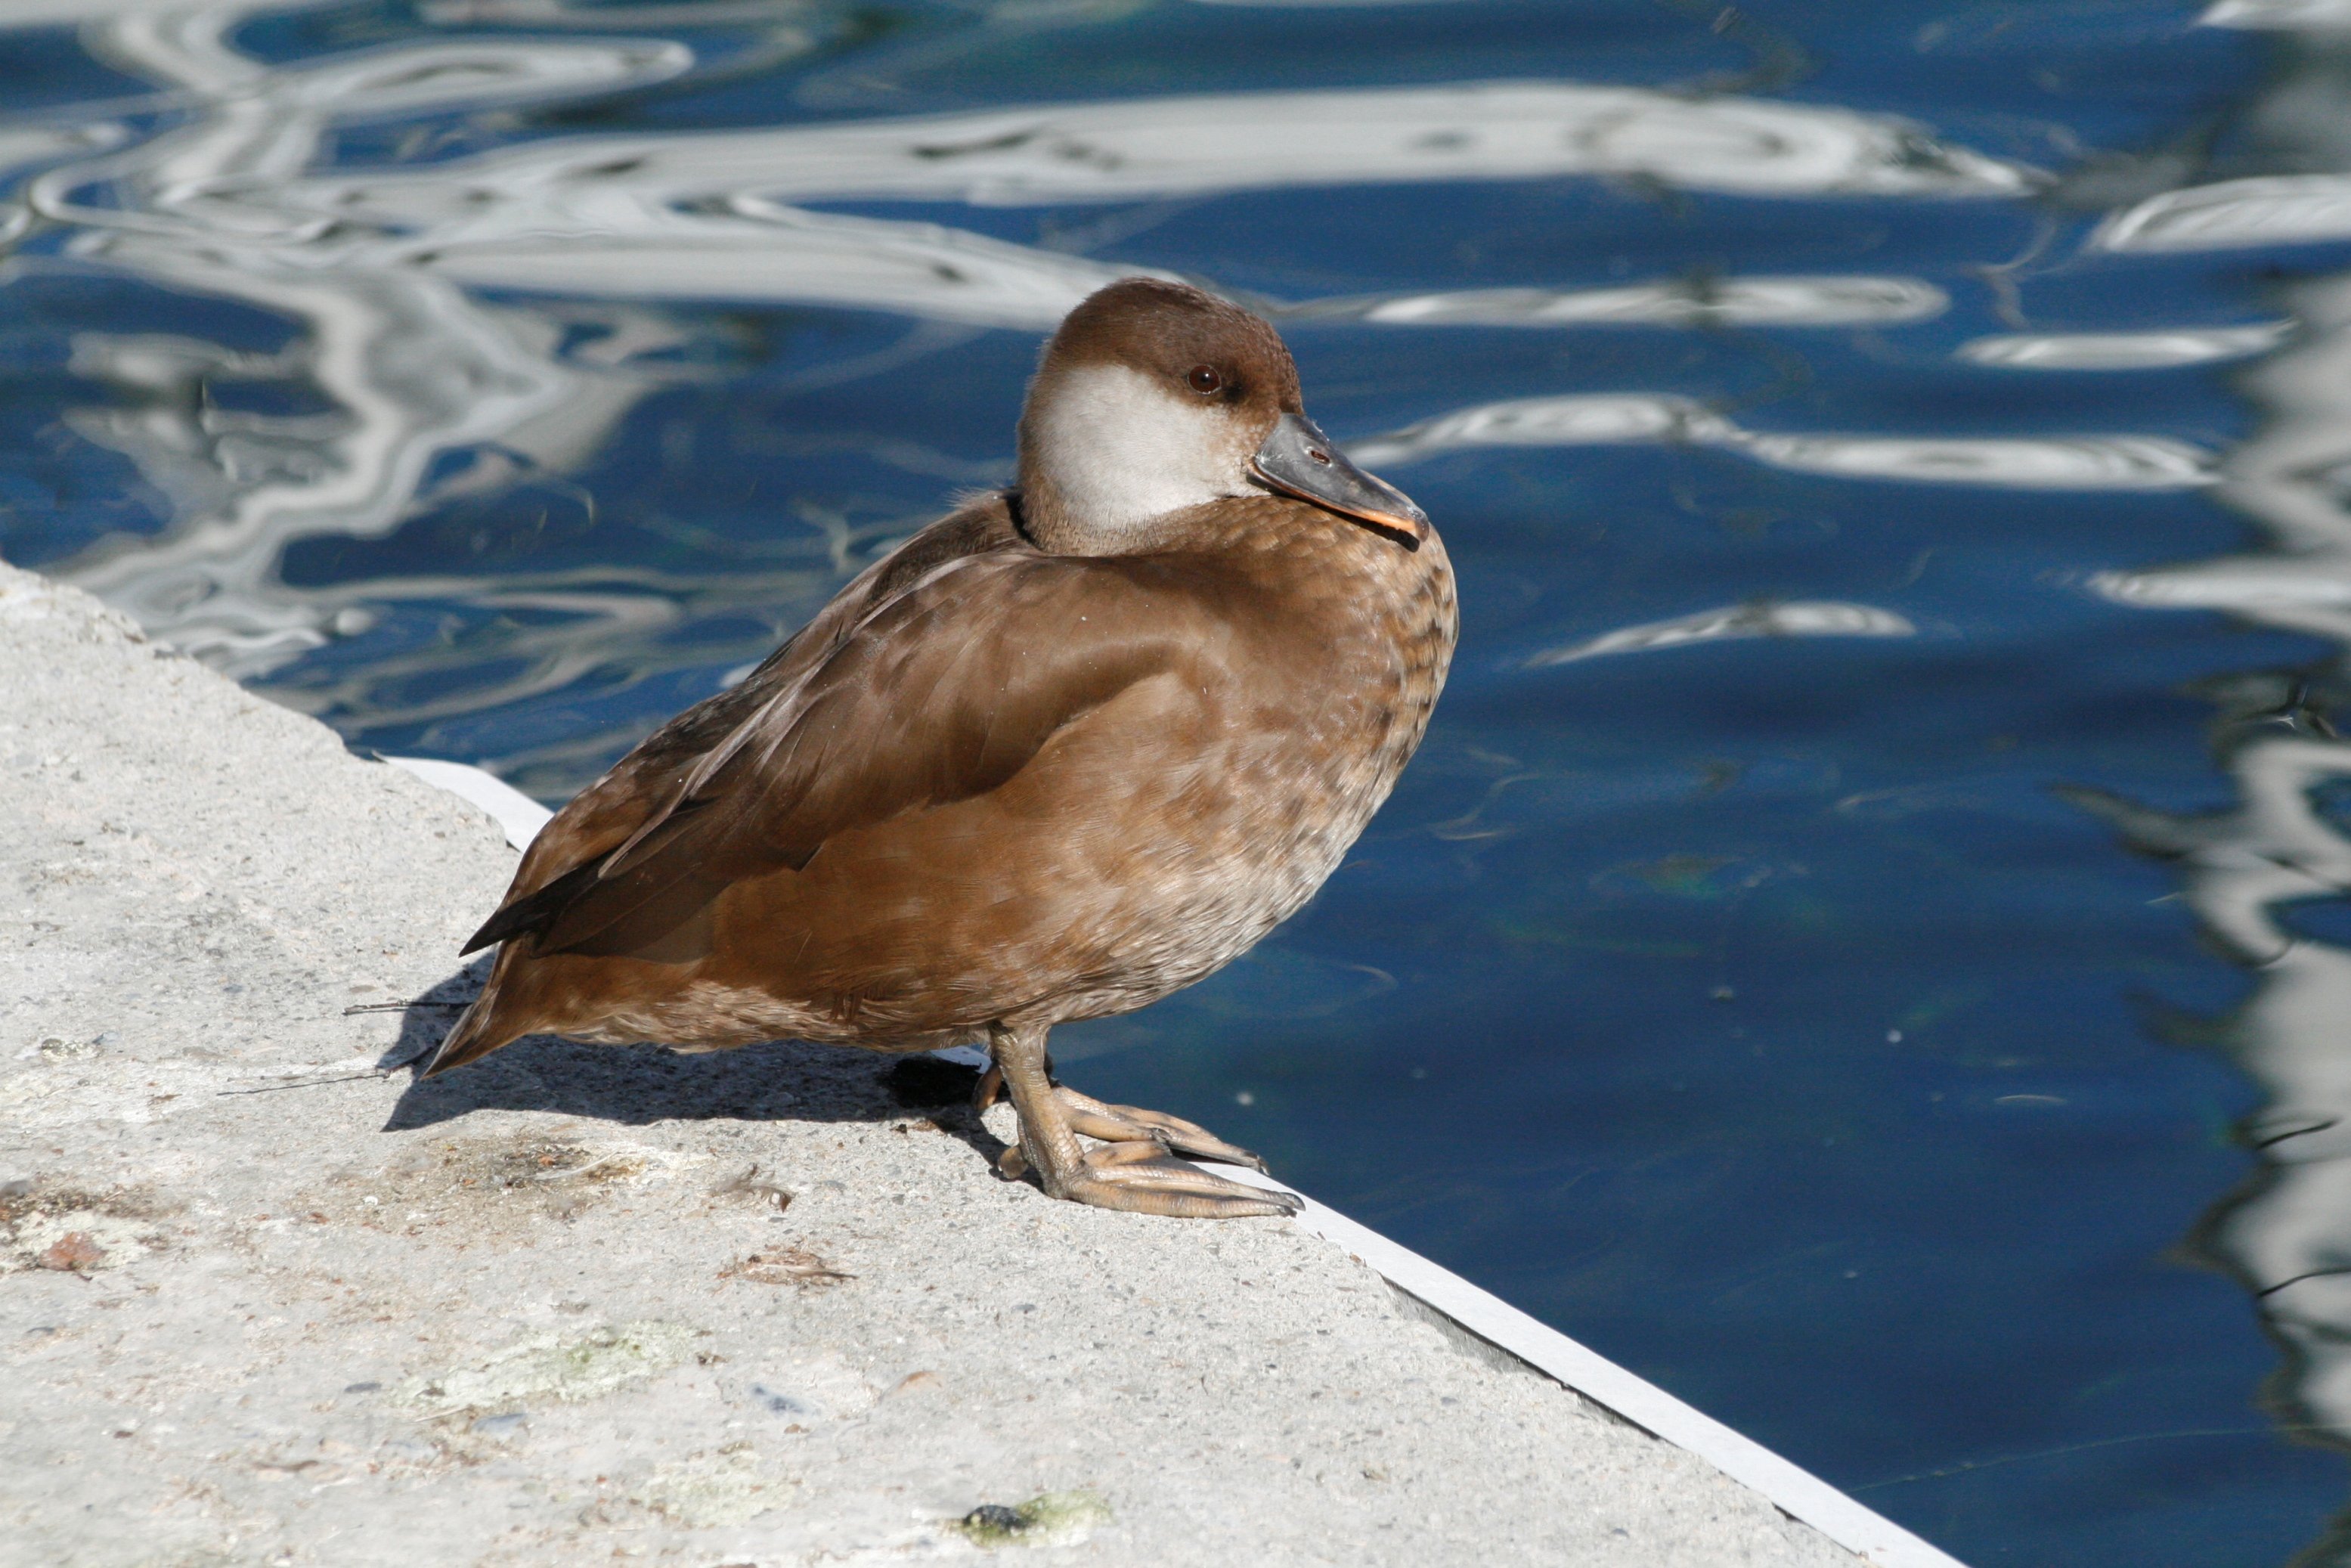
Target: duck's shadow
(781, 1081)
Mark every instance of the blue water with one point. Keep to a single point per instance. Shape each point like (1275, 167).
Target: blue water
(1772, 1012)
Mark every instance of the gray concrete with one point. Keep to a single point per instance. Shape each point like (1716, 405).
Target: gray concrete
(261, 1304)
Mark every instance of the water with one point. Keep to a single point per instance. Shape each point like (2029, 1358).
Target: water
(1864, 942)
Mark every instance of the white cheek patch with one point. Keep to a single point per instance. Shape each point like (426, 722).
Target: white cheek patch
(1121, 449)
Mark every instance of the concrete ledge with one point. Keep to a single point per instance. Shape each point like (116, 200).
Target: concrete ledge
(262, 1303)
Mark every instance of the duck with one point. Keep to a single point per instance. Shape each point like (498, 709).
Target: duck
(1078, 744)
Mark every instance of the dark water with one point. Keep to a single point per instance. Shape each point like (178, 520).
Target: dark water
(1864, 942)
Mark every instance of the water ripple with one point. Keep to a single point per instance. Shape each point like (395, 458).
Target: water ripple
(2231, 214)
(2122, 350)
(2031, 463)
(1789, 618)
(1847, 300)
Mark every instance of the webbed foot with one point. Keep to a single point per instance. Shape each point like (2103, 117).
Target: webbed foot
(1132, 1124)
(1144, 1178)
(1135, 1167)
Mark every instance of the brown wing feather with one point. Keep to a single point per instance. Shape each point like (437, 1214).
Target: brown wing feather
(645, 787)
(943, 694)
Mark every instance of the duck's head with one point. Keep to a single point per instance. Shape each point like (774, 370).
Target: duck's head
(1154, 397)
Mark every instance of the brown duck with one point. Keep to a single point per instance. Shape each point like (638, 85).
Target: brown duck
(1069, 748)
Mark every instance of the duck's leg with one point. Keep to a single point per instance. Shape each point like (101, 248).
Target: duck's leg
(1134, 1170)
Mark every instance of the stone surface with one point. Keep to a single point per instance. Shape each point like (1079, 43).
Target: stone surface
(262, 1302)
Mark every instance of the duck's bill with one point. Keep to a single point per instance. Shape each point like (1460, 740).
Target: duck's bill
(1299, 460)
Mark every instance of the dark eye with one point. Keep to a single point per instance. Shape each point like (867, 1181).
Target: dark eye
(1204, 380)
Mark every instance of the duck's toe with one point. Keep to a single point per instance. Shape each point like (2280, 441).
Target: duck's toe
(1130, 1123)
(1141, 1178)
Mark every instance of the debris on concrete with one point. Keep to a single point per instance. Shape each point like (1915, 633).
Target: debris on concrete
(1052, 1519)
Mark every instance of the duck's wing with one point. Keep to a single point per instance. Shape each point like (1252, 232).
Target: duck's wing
(643, 787)
(943, 693)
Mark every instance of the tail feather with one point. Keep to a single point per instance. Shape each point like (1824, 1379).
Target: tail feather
(478, 1031)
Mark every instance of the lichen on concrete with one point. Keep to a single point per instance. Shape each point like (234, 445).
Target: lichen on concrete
(704, 1490)
(1049, 1519)
(551, 1366)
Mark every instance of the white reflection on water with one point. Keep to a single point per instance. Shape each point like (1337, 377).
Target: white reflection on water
(1792, 618)
(766, 251)
(2030, 462)
(2283, 15)
(2122, 350)
(563, 14)
(1204, 145)
(1590, 419)
(413, 367)
(239, 198)
(1852, 301)
(27, 146)
(2286, 1234)
(2232, 214)
(2290, 478)
(2058, 463)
